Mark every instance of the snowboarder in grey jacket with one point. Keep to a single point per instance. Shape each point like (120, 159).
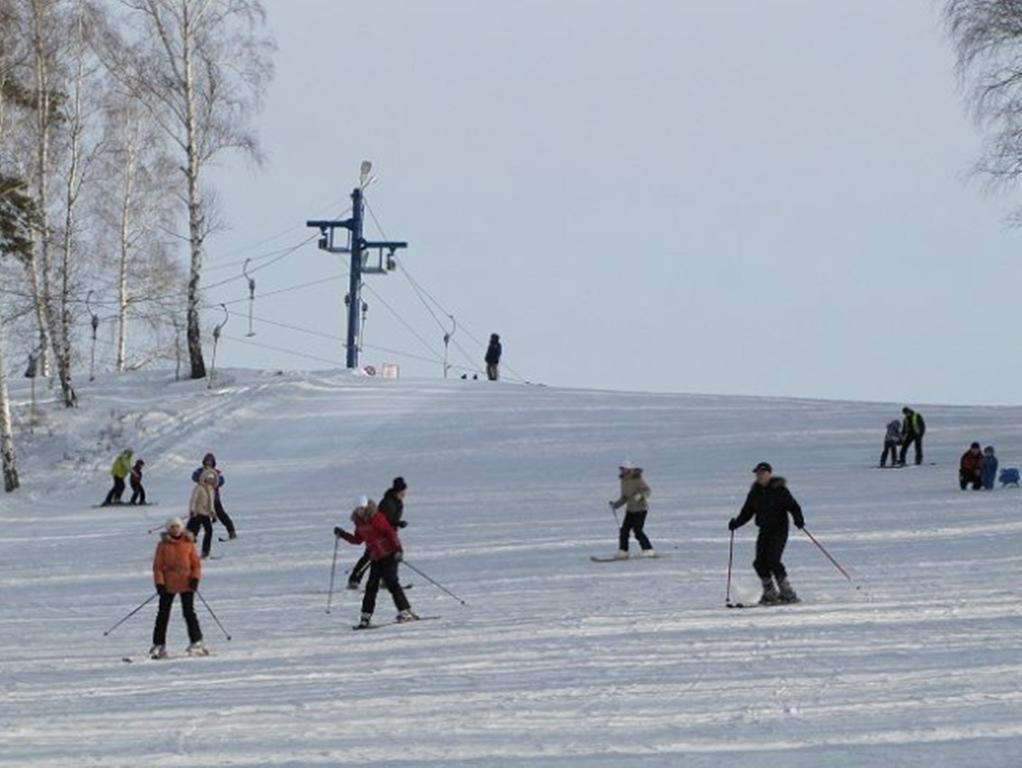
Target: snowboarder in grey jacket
(770, 502)
(891, 442)
(634, 498)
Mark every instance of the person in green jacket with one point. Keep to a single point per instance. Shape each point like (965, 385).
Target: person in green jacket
(120, 470)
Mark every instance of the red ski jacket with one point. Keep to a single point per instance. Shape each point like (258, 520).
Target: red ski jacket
(373, 529)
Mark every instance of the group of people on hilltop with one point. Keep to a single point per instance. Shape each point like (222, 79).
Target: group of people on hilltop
(901, 435)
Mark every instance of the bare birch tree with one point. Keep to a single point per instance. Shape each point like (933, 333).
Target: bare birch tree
(987, 36)
(201, 67)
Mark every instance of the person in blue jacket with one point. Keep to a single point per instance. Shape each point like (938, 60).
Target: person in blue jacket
(988, 473)
(209, 462)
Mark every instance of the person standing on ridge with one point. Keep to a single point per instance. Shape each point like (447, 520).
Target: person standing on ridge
(891, 442)
(634, 498)
(137, 491)
(209, 462)
(989, 471)
(970, 468)
(912, 431)
(385, 550)
(201, 509)
(770, 502)
(119, 471)
(176, 571)
(493, 353)
(392, 505)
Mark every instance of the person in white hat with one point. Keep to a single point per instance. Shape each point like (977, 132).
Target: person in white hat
(634, 498)
(176, 571)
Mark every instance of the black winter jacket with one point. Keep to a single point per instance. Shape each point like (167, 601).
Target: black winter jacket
(770, 504)
(493, 353)
(392, 507)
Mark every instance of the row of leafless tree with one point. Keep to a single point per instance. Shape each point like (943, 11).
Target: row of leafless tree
(111, 112)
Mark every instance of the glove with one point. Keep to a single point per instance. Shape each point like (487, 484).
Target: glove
(399, 556)
(732, 524)
(402, 523)
(161, 590)
(193, 585)
(611, 504)
(800, 523)
(338, 531)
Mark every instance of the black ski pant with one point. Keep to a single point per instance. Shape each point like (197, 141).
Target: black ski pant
(359, 569)
(187, 610)
(769, 548)
(891, 448)
(633, 522)
(916, 440)
(137, 494)
(194, 523)
(384, 570)
(965, 477)
(223, 517)
(116, 492)
(492, 371)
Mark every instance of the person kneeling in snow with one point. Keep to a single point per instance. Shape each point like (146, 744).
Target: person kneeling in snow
(176, 571)
(634, 495)
(770, 501)
(374, 530)
(970, 468)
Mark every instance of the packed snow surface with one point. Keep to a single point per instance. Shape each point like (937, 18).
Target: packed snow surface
(556, 660)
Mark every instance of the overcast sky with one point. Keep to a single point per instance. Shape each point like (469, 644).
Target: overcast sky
(763, 198)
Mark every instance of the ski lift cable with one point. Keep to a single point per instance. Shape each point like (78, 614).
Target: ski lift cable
(281, 233)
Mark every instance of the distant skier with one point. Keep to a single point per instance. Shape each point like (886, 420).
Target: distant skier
(493, 353)
(770, 502)
(137, 491)
(121, 469)
(202, 510)
(385, 550)
(970, 468)
(392, 506)
(891, 442)
(634, 498)
(176, 571)
(912, 431)
(209, 462)
(989, 471)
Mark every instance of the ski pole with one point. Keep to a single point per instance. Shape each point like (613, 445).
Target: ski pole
(333, 570)
(613, 511)
(143, 605)
(730, 561)
(213, 614)
(824, 551)
(434, 582)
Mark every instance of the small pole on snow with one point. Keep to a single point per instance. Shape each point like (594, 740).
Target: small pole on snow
(333, 570)
(213, 615)
(730, 562)
(613, 511)
(143, 605)
(825, 552)
(434, 582)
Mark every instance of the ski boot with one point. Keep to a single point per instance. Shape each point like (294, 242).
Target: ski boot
(787, 594)
(622, 554)
(648, 553)
(158, 652)
(770, 594)
(406, 615)
(198, 648)
(353, 585)
(364, 623)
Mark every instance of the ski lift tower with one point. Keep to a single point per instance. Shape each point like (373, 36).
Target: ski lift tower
(363, 260)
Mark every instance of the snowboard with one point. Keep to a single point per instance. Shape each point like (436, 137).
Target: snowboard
(394, 621)
(612, 559)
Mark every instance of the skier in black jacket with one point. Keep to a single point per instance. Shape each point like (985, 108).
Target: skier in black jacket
(770, 501)
(493, 353)
(392, 505)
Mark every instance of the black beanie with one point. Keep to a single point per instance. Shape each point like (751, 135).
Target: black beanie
(399, 484)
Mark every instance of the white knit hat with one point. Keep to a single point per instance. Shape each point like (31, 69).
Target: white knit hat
(626, 464)
(361, 501)
(172, 521)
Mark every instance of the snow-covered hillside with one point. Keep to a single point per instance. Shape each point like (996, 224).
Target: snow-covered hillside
(557, 661)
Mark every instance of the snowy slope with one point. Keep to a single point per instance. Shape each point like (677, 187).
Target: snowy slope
(557, 661)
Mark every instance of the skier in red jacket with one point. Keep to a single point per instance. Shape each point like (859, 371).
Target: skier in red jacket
(381, 540)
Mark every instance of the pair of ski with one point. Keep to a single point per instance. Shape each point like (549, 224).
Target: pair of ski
(168, 657)
(392, 622)
(763, 605)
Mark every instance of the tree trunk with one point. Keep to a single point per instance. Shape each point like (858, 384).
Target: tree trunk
(195, 223)
(7, 458)
(41, 267)
(122, 272)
